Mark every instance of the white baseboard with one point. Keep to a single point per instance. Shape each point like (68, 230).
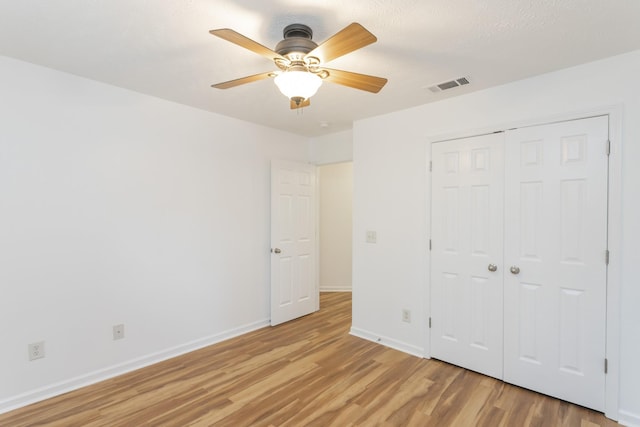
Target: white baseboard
(335, 288)
(628, 419)
(71, 384)
(389, 342)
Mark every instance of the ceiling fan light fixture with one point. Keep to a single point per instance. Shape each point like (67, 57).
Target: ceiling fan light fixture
(300, 61)
(295, 84)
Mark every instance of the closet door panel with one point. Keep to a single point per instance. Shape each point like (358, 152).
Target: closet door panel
(466, 297)
(555, 239)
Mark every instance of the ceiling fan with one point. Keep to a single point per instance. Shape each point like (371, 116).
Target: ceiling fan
(300, 61)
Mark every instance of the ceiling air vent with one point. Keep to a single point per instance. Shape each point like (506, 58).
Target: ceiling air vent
(461, 81)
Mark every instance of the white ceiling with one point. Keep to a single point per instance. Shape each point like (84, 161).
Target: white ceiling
(162, 48)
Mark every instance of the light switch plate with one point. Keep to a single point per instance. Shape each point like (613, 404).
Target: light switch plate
(372, 236)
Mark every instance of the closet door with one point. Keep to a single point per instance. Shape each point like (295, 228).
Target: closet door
(555, 268)
(466, 255)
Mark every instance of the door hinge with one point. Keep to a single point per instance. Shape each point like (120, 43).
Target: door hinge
(429, 322)
(606, 365)
(608, 147)
(606, 257)
(430, 166)
(429, 244)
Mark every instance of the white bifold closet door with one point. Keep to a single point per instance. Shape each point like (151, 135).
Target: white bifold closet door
(467, 244)
(556, 236)
(519, 237)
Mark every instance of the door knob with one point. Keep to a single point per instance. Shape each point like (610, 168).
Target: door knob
(514, 269)
(276, 250)
(492, 267)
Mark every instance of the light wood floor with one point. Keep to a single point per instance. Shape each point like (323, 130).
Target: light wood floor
(308, 372)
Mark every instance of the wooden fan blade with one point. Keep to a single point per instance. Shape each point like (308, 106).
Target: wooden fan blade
(247, 43)
(352, 37)
(355, 80)
(303, 104)
(243, 80)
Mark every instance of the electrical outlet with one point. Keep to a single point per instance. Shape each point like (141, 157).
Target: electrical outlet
(36, 350)
(406, 315)
(118, 332)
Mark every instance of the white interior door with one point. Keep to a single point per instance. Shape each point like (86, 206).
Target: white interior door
(466, 254)
(556, 240)
(294, 292)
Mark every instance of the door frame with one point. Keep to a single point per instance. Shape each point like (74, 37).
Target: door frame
(614, 231)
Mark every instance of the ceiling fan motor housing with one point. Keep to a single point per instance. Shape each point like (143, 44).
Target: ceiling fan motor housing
(297, 39)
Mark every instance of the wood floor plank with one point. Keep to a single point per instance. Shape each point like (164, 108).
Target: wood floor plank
(307, 372)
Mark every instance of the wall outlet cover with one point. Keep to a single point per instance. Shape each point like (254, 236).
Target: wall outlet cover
(36, 350)
(118, 332)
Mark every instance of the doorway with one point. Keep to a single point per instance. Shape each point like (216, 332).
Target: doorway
(335, 226)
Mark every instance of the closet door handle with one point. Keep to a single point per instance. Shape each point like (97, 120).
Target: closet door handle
(514, 269)
(492, 267)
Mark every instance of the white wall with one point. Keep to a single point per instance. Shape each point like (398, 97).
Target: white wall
(336, 195)
(332, 148)
(117, 207)
(391, 194)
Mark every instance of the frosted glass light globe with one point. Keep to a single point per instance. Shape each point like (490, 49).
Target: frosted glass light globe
(298, 84)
